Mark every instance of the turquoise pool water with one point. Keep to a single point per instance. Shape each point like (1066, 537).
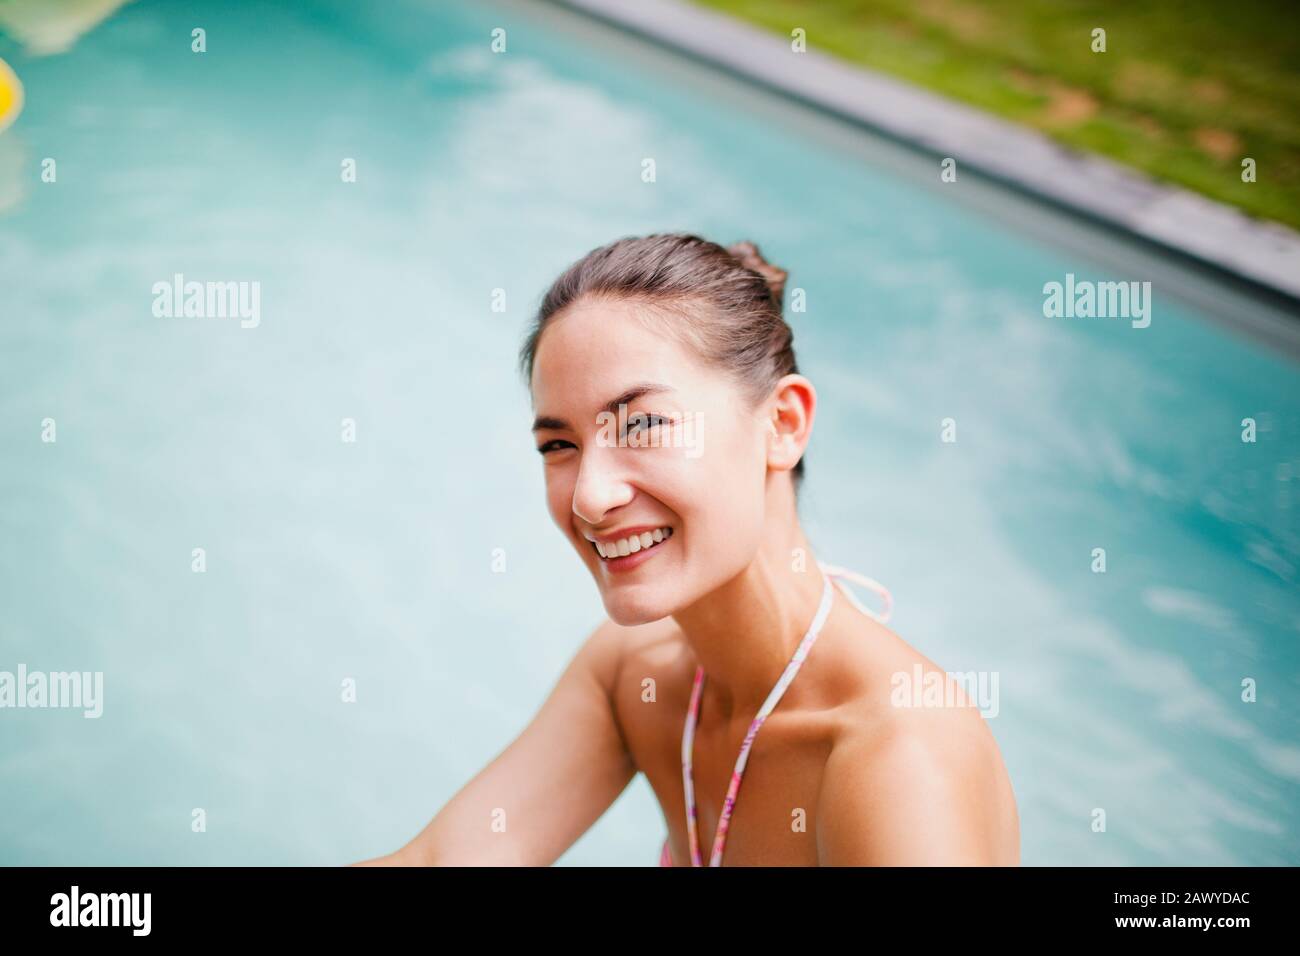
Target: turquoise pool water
(372, 560)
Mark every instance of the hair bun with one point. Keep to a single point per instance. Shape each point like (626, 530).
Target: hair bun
(748, 255)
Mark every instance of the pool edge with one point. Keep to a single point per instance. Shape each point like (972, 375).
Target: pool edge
(1256, 255)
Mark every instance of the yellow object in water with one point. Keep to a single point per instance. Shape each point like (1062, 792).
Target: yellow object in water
(11, 95)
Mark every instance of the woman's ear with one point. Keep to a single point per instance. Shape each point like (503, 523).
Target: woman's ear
(791, 411)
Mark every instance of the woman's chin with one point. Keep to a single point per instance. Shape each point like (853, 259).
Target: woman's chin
(630, 613)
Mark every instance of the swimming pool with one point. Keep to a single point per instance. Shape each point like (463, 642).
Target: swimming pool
(372, 560)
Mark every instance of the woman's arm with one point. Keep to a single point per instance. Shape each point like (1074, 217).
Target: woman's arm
(546, 788)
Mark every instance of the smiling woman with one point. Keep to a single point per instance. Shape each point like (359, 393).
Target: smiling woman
(714, 602)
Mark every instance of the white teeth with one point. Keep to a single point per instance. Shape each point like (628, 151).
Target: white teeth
(631, 544)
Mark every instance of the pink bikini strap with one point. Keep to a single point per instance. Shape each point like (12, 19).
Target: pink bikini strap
(829, 572)
(773, 698)
(844, 574)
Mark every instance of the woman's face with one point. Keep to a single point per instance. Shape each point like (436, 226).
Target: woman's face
(682, 466)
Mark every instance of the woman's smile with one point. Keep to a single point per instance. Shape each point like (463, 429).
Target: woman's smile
(631, 547)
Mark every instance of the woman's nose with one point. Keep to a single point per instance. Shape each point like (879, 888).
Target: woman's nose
(600, 487)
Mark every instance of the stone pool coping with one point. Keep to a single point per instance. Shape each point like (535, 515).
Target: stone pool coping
(1263, 253)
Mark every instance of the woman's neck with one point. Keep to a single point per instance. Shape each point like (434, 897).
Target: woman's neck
(744, 632)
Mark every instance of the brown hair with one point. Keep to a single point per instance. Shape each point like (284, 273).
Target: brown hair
(739, 329)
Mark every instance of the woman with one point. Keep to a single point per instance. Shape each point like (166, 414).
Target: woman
(672, 422)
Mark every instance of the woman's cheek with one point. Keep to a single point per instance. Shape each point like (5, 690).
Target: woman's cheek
(559, 501)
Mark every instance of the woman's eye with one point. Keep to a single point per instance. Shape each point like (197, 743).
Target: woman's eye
(554, 444)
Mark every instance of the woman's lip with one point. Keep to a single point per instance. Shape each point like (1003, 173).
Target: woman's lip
(616, 536)
(634, 560)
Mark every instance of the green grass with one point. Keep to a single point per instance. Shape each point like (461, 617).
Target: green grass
(1184, 92)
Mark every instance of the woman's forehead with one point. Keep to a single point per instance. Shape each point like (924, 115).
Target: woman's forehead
(598, 354)
(594, 325)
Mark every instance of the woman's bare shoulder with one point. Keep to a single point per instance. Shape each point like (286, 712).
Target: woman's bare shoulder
(880, 674)
(914, 773)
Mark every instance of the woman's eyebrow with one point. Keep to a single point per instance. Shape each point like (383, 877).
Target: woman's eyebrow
(630, 395)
